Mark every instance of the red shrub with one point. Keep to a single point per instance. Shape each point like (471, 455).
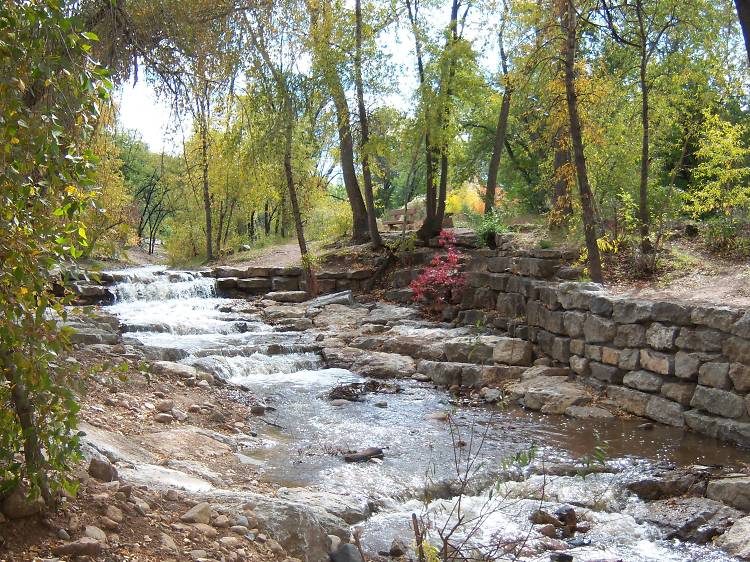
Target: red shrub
(442, 281)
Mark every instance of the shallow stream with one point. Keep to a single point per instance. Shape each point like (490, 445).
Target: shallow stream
(180, 310)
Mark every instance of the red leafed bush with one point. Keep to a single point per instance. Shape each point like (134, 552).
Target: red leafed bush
(442, 281)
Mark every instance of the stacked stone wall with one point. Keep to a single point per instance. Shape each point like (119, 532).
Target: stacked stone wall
(261, 280)
(677, 363)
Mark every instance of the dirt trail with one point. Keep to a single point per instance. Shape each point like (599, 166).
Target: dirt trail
(282, 255)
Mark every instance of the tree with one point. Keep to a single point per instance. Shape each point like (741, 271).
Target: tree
(743, 13)
(502, 120)
(364, 147)
(49, 92)
(568, 23)
(642, 25)
(283, 91)
(326, 60)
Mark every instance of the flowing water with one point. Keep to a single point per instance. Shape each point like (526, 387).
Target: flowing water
(181, 311)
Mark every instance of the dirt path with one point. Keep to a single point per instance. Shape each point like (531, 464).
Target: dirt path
(281, 255)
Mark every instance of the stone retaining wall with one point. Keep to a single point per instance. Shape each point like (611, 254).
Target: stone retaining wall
(676, 363)
(260, 280)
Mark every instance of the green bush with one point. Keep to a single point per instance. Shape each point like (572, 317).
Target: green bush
(727, 236)
(488, 225)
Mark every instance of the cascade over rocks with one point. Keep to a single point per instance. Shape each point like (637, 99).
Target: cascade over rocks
(575, 343)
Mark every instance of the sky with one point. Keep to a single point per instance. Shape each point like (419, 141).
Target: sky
(142, 111)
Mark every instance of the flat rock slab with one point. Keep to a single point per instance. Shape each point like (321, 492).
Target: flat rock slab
(185, 443)
(373, 364)
(340, 316)
(693, 519)
(287, 296)
(550, 395)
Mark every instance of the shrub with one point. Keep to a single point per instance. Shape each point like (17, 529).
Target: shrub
(330, 220)
(490, 224)
(442, 281)
(724, 235)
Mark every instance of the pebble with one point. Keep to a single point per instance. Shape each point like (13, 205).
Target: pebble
(165, 406)
(179, 415)
(163, 418)
(334, 543)
(95, 533)
(199, 513)
(230, 542)
(103, 470)
(222, 522)
(114, 513)
(109, 524)
(206, 530)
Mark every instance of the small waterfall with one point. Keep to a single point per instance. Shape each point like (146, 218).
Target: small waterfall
(158, 284)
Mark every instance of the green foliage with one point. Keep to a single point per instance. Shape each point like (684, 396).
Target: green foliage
(330, 221)
(46, 181)
(723, 171)
(727, 236)
(490, 224)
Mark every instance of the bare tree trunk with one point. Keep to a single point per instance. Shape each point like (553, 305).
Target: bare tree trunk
(360, 229)
(568, 21)
(743, 13)
(24, 408)
(502, 127)
(412, 7)
(312, 282)
(643, 213)
(436, 200)
(372, 221)
(561, 204)
(203, 124)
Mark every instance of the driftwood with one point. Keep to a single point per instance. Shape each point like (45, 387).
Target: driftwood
(365, 455)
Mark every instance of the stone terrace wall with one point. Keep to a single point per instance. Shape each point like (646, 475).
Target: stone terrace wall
(675, 363)
(261, 280)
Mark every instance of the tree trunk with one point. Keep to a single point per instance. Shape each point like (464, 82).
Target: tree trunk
(433, 223)
(743, 13)
(372, 221)
(497, 150)
(24, 408)
(643, 214)
(561, 204)
(568, 21)
(203, 124)
(502, 126)
(312, 282)
(429, 149)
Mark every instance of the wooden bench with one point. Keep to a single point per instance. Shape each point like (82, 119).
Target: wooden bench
(396, 218)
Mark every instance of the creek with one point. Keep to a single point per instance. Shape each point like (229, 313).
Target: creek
(301, 447)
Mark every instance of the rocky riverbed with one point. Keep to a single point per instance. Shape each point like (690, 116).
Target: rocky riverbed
(231, 430)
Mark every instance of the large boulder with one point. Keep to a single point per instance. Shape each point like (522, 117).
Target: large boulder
(19, 504)
(691, 519)
(383, 365)
(550, 395)
(736, 541)
(302, 529)
(734, 491)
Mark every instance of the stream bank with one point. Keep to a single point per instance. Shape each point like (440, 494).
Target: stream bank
(250, 405)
